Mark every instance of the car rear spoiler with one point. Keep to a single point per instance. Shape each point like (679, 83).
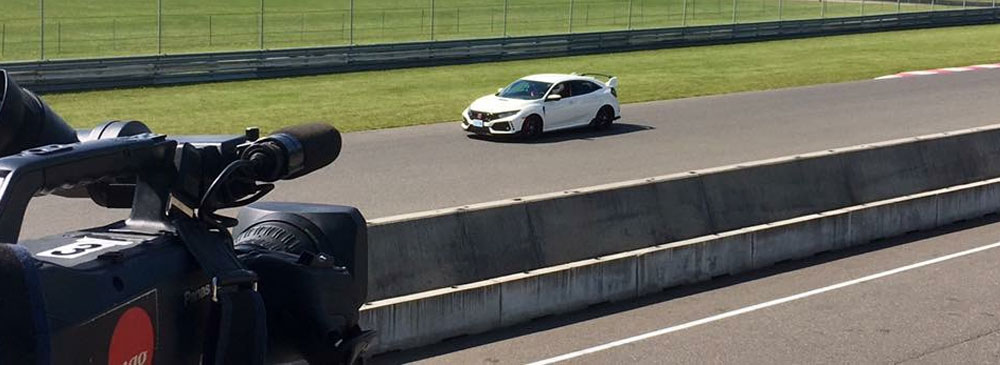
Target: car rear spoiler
(612, 81)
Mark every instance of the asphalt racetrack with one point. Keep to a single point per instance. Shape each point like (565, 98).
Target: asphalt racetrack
(395, 171)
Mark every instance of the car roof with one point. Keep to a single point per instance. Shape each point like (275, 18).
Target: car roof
(554, 78)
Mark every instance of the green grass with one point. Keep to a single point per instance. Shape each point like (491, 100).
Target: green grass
(371, 100)
(99, 28)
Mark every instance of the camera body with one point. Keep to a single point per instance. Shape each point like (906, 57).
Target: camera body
(121, 298)
(105, 289)
(171, 284)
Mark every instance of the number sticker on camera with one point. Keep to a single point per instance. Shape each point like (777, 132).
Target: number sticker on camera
(84, 246)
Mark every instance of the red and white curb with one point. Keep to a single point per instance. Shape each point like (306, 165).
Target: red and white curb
(946, 70)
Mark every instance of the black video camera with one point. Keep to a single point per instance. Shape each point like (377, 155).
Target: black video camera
(171, 284)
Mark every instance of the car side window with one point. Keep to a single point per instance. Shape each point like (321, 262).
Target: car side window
(583, 87)
(563, 89)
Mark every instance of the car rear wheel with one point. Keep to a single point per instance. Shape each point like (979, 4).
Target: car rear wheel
(532, 128)
(604, 118)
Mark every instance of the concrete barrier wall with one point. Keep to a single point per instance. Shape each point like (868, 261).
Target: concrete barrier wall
(437, 249)
(429, 317)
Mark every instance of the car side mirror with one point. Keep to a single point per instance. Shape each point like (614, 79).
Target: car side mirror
(553, 97)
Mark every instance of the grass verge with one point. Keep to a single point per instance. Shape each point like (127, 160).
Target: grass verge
(384, 99)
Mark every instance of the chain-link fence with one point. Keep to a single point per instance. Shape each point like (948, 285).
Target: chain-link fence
(59, 29)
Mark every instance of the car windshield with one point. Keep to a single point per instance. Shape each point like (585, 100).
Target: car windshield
(525, 90)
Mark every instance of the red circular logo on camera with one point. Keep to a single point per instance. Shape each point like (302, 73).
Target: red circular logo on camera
(132, 341)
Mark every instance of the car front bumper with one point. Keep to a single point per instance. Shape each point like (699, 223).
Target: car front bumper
(504, 126)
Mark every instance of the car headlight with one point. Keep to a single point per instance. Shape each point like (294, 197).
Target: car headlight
(506, 114)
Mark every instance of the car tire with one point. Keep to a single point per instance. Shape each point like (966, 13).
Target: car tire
(532, 128)
(605, 117)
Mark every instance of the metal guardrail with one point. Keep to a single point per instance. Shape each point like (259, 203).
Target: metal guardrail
(93, 74)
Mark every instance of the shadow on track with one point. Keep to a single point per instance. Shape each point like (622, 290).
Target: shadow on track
(600, 310)
(584, 133)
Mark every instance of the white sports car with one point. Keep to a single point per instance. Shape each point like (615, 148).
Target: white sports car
(546, 102)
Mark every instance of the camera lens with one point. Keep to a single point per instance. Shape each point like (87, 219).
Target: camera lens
(26, 121)
(277, 236)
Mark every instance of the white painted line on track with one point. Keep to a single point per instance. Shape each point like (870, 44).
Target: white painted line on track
(940, 71)
(755, 307)
(920, 73)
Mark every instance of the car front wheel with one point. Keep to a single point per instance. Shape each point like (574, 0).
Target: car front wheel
(532, 128)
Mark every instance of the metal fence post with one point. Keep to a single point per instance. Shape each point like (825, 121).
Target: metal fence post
(734, 11)
(114, 34)
(59, 38)
(350, 39)
(629, 26)
(822, 8)
(684, 13)
(210, 43)
(571, 15)
(432, 19)
(506, 10)
(899, 4)
(260, 30)
(863, 6)
(159, 26)
(781, 9)
(41, 9)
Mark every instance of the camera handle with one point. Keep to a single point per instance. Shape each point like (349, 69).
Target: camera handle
(41, 170)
